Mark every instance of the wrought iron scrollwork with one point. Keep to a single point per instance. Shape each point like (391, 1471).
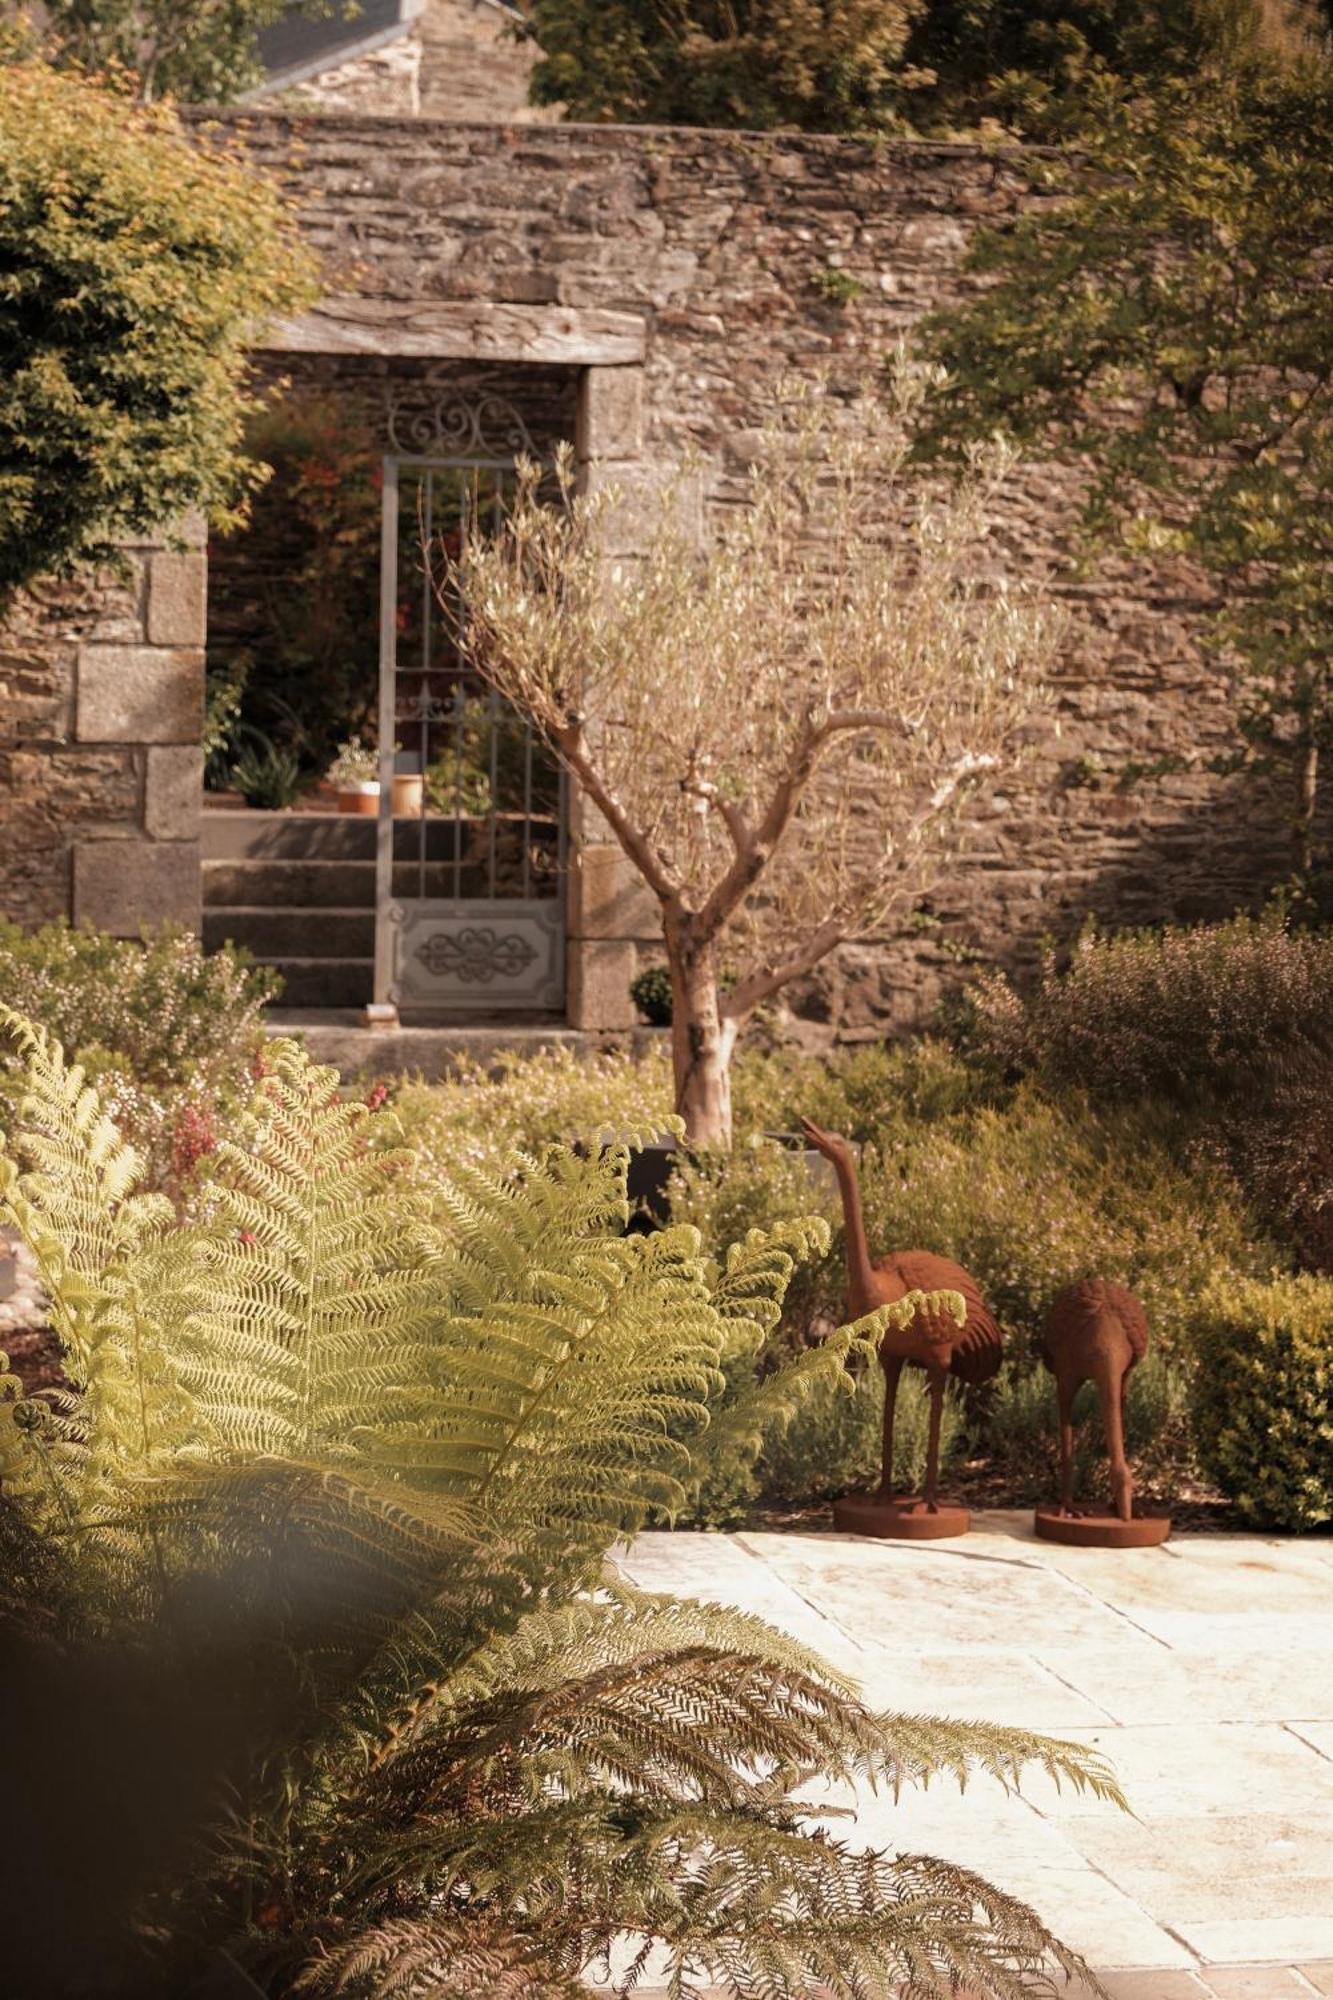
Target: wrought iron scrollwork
(476, 955)
(431, 416)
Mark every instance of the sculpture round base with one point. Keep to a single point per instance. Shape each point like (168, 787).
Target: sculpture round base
(899, 1520)
(1101, 1531)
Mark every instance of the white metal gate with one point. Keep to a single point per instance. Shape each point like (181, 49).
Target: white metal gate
(470, 854)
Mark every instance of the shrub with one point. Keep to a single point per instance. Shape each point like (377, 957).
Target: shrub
(139, 268)
(483, 1114)
(1028, 1193)
(820, 65)
(835, 1443)
(1263, 1398)
(166, 1027)
(1174, 1013)
(650, 990)
(1226, 1024)
(321, 1529)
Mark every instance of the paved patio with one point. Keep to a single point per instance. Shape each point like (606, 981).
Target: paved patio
(1204, 1670)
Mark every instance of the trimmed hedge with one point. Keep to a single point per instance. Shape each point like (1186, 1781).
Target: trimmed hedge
(1263, 1398)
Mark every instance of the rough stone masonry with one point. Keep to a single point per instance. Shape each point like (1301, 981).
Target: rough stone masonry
(723, 245)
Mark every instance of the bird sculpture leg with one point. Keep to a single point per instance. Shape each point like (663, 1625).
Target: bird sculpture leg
(933, 1441)
(1111, 1395)
(1065, 1392)
(893, 1368)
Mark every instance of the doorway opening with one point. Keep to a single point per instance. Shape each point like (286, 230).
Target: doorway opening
(377, 825)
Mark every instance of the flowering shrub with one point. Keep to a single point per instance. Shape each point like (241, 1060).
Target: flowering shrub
(163, 1025)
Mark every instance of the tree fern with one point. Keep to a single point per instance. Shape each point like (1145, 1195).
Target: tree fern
(375, 1442)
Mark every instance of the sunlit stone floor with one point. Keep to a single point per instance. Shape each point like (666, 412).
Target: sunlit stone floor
(1204, 1671)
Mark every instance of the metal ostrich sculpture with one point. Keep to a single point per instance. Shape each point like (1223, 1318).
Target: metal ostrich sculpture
(1096, 1332)
(969, 1353)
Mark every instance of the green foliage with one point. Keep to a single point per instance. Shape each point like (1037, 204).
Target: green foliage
(138, 267)
(837, 1445)
(384, 1442)
(482, 1114)
(298, 582)
(1029, 1187)
(202, 54)
(1263, 1398)
(650, 990)
(1038, 67)
(837, 287)
(1225, 1027)
(1165, 327)
(1021, 1428)
(165, 1027)
(267, 775)
(818, 65)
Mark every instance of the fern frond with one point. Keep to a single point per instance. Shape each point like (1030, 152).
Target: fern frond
(416, 1956)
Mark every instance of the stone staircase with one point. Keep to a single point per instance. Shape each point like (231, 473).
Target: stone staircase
(298, 891)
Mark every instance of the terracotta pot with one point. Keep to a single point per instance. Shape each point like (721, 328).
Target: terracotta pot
(363, 799)
(407, 795)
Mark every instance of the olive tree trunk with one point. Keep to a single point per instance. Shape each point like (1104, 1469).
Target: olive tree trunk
(701, 1044)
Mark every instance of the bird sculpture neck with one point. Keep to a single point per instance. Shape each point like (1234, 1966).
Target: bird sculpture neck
(860, 1274)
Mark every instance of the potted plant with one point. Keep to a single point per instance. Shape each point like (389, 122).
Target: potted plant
(406, 795)
(353, 776)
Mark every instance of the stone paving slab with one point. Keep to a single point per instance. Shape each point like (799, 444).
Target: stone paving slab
(1204, 1671)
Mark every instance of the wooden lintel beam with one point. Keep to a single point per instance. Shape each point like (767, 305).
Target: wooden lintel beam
(462, 330)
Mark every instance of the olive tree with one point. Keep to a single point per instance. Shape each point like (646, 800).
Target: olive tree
(778, 727)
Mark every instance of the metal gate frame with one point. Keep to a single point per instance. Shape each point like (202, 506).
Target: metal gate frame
(498, 952)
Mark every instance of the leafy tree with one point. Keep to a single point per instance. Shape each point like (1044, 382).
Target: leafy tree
(310, 1563)
(776, 730)
(136, 267)
(1168, 325)
(818, 65)
(199, 51)
(1039, 65)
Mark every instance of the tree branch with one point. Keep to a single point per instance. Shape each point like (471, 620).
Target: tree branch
(747, 993)
(663, 881)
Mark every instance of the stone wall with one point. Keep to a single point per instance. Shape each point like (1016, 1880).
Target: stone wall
(723, 243)
(101, 711)
(720, 246)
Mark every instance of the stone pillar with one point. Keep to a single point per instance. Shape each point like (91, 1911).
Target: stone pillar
(608, 909)
(139, 692)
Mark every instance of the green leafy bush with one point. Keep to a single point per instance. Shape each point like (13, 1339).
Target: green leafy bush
(331, 1497)
(1263, 1398)
(167, 1028)
(819, 65)
(650, 990)
(139, 268)
(1027, 1191)
(1223, 1028)
(484, 1113)
(835, 1443)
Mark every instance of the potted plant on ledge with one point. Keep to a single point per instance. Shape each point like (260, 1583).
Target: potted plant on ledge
(353, 775)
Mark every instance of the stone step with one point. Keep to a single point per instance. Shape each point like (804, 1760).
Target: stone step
(237, 835)
(324, 983)
(274, 836)
(307, 885)
(292, 933)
